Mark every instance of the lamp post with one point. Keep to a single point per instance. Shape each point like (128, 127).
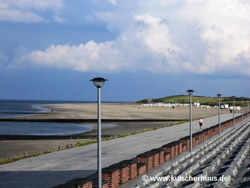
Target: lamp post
(219, 95)
(190, 92)
(241, 108)
(248, 107)
(99, 82)
(233, 110)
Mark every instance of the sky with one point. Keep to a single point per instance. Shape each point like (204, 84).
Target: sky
(49, 50)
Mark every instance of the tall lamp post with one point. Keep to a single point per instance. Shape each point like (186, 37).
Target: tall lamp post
(248, 107)
(219, 95)
(241, 108)
(233, 110)
(99, 82)
(190, 92)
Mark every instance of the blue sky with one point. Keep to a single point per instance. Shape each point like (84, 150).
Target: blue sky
(49, 50)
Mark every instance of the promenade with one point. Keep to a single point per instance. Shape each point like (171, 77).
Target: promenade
(48, 170)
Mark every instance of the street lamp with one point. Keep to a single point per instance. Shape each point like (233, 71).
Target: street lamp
(241, 108)
(99, 82)
(190, 92)
(248, 107)
(219, 95)
(233, 110)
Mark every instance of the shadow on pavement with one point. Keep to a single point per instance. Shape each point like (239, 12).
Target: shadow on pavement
(39, 179)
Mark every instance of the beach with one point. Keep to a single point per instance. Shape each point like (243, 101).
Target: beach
(120, 119)
(122, 112)
(127, 118)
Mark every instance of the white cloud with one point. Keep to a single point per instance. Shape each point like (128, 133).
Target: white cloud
(91, 56)
(112, 2)
(19, 16)
(224, 29)
(36, 4)
(28, 10)
(201, 37)
(59, 19)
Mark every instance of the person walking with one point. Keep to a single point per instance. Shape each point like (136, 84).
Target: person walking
(200, 122)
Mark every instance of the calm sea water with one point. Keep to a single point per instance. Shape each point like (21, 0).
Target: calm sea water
(41, 128)
(20, 108)
(16, 108)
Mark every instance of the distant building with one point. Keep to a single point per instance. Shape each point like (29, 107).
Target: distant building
(235, 108)
(197, 104)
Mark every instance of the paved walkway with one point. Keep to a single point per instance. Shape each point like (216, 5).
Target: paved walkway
(49, 170)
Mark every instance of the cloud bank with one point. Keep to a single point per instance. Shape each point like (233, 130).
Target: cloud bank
(28, 11)
(201, 37)
(83, 57)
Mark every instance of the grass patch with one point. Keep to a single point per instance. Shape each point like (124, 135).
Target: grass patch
(10, 160)
(79, 144)
(123, 135)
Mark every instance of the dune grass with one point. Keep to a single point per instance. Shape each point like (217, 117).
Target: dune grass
(201, 99)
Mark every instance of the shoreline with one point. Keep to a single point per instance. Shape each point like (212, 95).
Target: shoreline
(121, 127)
(131, 119)
(87, 113)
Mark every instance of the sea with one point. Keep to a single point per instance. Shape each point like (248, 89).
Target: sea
(22, 108)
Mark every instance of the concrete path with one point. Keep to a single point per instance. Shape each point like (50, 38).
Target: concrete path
(49, 170)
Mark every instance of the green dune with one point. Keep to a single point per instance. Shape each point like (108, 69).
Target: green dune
(201, 99)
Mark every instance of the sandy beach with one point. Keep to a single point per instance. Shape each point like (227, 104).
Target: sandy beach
(127, 118)
(149, 117)
(122, 111)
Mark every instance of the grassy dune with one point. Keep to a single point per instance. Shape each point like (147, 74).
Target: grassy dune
(201, 99)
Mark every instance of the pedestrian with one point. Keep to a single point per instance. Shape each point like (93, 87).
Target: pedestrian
(200, 122)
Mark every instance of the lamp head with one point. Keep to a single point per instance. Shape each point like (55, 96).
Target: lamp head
(190, 91)
(218, 95)
(98, 82)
